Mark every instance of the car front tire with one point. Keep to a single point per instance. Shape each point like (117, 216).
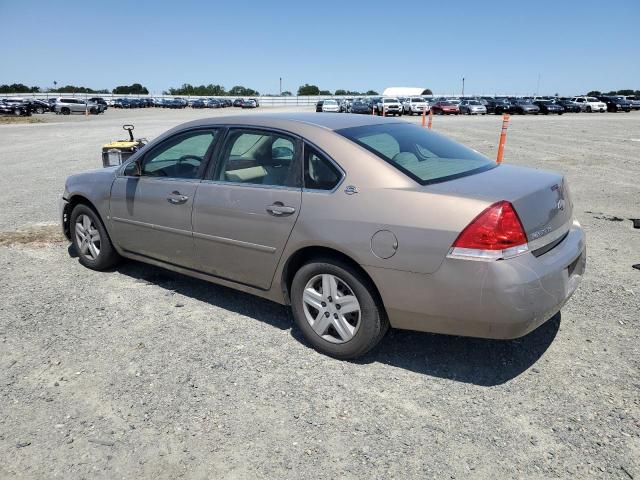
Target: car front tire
(335, 307)
(91, 240)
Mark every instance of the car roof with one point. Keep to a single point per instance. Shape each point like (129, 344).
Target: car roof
(293, 121)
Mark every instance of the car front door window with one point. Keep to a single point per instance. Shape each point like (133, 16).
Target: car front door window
(179, 157)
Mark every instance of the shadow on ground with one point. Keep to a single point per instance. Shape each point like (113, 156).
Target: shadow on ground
(469, 360)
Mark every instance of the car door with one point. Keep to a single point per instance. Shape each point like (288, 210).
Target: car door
(151, 212)
(247, 206)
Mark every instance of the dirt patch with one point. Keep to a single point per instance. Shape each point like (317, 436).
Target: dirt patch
(12, 120)
(34, 235)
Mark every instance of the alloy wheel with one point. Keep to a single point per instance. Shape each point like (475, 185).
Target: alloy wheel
(87, 237)
(331, 308)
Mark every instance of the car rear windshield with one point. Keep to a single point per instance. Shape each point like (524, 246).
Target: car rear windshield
(389, 100)
(417, 99)
(425, 156)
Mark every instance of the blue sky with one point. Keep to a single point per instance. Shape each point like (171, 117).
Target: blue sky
(498, 46)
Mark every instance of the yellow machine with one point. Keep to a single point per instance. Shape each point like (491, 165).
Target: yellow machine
(115, 153)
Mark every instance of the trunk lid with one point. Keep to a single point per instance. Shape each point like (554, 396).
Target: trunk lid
(541, 198)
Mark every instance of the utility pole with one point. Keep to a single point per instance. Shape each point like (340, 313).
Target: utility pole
(280, 86)
(462, 87)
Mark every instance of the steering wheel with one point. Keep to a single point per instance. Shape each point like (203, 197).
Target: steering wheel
(187, 157)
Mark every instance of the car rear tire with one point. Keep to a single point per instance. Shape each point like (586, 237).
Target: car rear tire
(17, 112)
(91, 240)
(588, 109)
(65, 111)
(321, 292)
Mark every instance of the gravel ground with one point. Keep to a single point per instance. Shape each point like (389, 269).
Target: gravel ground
(142, 373)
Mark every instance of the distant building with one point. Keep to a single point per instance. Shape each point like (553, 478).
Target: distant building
(405, 91)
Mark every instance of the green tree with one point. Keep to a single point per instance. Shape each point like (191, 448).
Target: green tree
(18, 88)
(287, 93)
(240, 91)
(426, 91)
(307, 89)
(372, 92)
(76, 89)
(134, 89)
(341, 92)
(324, 92)
(594, 93)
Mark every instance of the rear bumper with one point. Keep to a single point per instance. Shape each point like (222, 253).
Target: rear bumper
(503, 299)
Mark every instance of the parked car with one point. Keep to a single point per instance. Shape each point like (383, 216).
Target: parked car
(66, 106)
(524, 107)
(249, 103)
(480, 249)
(8, 107)
(590, 104)
(568, 105)
(498, 106)
(388, 106)
(238, 102)
(616, 103)
(99, 101)
(635, 102)
(39, 106)
(330, 105)
(361, 106)
(549, 106)
(198, 103)
(472, 107)
(445, 108)
(319, 104)
(413, 105)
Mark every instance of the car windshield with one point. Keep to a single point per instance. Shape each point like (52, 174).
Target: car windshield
(592, 99)
(446, 104)
(389, 100)
(425, 156)
(330, 102)
(417, 100)
(473, 102)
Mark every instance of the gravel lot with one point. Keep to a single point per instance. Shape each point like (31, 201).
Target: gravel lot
(142, 373)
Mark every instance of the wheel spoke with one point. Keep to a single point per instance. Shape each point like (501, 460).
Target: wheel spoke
(348, 304)
(80, 230)
(329, 286)
(84, 247)
(344, 328)
(93, 249)
(86, 222)
(321, 324)
(312, 298)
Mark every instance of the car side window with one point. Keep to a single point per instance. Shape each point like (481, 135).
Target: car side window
(259, 158)
(180, 156)
(319, 172)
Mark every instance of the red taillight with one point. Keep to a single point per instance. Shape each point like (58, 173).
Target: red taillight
(496, 228)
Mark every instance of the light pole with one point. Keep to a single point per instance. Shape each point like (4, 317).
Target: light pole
(462, 87)
(280, 86)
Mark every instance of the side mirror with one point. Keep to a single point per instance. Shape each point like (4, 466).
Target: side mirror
(138, 168)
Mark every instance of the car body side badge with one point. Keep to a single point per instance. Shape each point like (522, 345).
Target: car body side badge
(351, 189)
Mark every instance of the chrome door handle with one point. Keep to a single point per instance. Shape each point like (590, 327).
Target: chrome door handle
(176, 198)
(278, 209)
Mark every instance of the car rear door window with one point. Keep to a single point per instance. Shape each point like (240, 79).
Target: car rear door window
(259, 158)
(319, 172)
